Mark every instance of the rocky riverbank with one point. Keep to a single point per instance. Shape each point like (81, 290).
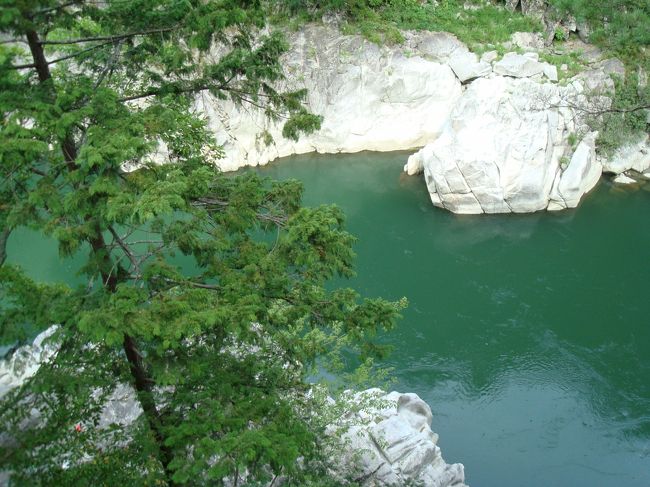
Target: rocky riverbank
(498, 134)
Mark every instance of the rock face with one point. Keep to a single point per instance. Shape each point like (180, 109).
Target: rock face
(634, 157)
(467, 67)
(534, 8)
(580, 176)
(396, 444)
(495, 131)
(503, 148)
(518, 66)
(388, 439)
(371, 98)
(25, 361)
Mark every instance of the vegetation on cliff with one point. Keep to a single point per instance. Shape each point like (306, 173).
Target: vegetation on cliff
(620, 28)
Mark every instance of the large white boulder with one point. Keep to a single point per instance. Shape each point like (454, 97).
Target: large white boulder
(467, 66)
(579, 177)
(390, 443)
(501, 150)
(371, 98)
(439, 47)
(518, 66)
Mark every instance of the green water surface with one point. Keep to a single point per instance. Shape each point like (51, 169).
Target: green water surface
(529, 335)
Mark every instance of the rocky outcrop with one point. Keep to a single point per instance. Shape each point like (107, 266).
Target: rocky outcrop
(533, 8)
(387, 438)
(391, 443)
(371, 97)
(504, 149)
(24, 362)
(580, 176)
(467, 67)
(495, 131)
(631, 157)
(519, 65)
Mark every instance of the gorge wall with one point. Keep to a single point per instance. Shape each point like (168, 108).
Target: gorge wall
(497, 134)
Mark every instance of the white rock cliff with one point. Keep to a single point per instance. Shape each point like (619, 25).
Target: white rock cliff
(371, 98)
(498, 135)
(504, 149)
(391, 443)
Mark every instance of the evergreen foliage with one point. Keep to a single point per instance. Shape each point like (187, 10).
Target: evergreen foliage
(218, 351)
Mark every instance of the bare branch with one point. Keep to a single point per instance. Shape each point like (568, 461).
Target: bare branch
(13, 41)
(125, 248)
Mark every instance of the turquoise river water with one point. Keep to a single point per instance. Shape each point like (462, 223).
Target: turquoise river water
(529, 335)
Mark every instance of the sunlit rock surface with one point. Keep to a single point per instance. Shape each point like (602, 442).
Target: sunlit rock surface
(371, 97)
(391, 443)
(25, 361)
(634, 156)
(504, 149)
(498, 135)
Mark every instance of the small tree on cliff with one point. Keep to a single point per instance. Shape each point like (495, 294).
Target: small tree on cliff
(205, 291)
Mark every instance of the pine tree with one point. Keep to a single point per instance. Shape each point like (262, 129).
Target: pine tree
(205, 292)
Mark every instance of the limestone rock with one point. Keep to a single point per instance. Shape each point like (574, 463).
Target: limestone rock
(467, 67)
(438, 47)
(489, 56)
(371, 98)
(518, 66)
(24, 362)
(550, 71)
(580, 176)
(612, 66)
(635, 156)
(501, 148)
(534, 8)
(623, 179)
(391, 443)
(528, 40)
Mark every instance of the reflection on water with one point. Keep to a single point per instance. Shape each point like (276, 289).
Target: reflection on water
(527, 334)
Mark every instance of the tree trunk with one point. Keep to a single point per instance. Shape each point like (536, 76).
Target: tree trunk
(4, 236)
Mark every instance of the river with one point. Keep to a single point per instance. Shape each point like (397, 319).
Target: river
(529, 335)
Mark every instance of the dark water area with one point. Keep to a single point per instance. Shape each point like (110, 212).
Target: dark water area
(529, 335)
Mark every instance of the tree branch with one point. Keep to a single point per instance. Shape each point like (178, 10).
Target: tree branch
(54, 9)
(159, 91)
(63, 58)
(108, 38)
(125, 248)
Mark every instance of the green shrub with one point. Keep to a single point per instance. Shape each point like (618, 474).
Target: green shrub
(627, 119)
(381, 20)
